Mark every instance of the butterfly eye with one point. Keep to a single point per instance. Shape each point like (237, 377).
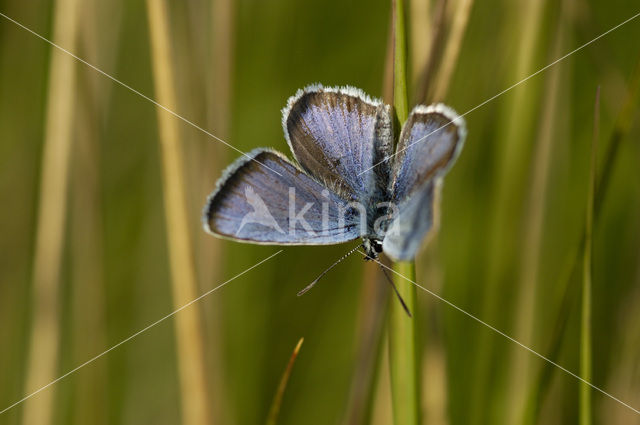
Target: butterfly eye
(377, 245)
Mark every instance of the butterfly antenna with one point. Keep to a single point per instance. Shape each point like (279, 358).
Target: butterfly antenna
(311, 285)
(395, 289)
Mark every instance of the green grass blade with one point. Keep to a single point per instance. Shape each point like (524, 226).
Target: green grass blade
(370, 329)
(452, 50)
(400, 101)
(585, 319)
(569, 278)
(47, 299)
(190, 343)
(402, 343)
(402, 349)
(277, 399)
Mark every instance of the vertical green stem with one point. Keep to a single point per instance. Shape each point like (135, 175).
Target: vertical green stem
(585, 339)
(274, 411)
(47, 292)
(402, 343)
(402, 350)
(585, 320)
(400, 101)
(189, 329)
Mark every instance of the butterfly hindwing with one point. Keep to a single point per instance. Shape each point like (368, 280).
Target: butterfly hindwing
(252, 203)
(414, 220)
(429, 144)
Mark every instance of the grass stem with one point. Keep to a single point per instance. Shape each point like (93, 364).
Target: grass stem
(523, 369)
(400, 101)
(370, 337)
(403, 364)
(402, 350)
(421, 30)
(272, 419)
(429, 66)
(52, 210)
(452, 50)
(190, 338)
(516, 138)
(585, 317)
(568, 279)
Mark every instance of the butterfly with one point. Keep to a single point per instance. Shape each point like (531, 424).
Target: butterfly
(348, 179)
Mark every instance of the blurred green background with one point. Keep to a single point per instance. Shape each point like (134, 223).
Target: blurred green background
(508, 249)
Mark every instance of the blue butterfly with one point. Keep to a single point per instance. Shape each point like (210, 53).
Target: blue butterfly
(346, 181)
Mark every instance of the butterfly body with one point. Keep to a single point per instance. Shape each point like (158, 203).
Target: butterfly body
(372, 248)
(348, 181)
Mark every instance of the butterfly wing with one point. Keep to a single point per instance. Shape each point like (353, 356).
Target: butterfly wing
(429, 144)
(252, 203)
(414, 220)
(337, 135)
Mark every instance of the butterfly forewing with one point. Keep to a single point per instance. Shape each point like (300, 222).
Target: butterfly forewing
(337, 135)
(252, 203)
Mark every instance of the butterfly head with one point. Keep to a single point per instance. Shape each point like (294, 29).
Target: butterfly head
(372, 248)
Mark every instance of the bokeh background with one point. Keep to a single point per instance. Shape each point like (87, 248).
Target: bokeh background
(86, 250)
